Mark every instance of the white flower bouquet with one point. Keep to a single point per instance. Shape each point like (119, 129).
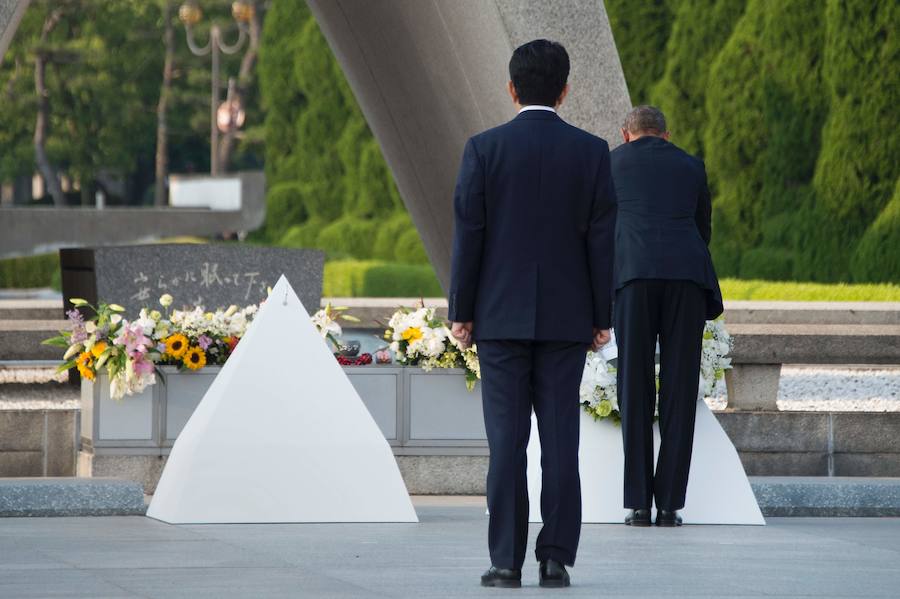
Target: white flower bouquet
(418, 338)
(598, 393)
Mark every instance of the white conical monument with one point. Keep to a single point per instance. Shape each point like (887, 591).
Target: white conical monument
(718, 490)
(281, 436)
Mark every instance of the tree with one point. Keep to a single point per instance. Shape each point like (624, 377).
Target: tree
(699, 30)
(165, 93)
(765, 107)
(329, 186)
(858, 167)
(43, 55)
(245, 79)
(641, 29)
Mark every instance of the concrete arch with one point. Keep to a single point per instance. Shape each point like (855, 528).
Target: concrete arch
(430, 73)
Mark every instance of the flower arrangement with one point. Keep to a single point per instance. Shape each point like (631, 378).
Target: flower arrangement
(107, 340)
(131, 351)
(196, 338)
(418, 338)
(326, 322)
(717, 344)
(598, 390)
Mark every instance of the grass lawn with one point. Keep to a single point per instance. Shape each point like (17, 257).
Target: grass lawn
(739, 289)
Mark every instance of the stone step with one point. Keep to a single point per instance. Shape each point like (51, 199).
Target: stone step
(21, 339)
(31, 309)
(782, 312)
(815, 344)
(42, 497)
(811, 496)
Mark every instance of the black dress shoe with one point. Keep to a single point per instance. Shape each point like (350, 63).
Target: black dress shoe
(668, 518)
(553, 574)
(506, 578)
(638, 518)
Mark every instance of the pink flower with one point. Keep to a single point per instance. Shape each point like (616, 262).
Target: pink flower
(204, 342)
(142, 366)
(132, 337)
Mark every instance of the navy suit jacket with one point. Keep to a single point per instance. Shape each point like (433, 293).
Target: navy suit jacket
(533, 244)
(664, 217)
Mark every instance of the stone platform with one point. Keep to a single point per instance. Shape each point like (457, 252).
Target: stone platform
(822, 496)
(440, 557)
(40, 497)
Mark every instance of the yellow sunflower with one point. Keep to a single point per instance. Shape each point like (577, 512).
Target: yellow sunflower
(85, 365)
(412, 334)
(176, 345)
(194, 358)
(99, 348)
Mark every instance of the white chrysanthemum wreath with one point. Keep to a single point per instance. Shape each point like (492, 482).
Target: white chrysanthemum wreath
(598, 385)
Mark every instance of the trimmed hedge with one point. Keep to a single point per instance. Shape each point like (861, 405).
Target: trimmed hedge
(30, 272)
(330, 188)
(351, 278)
(348, 237)
(787, 102)
(877, 256)
(765, 106)
(860, 160)
(699, 30)
(641, 30)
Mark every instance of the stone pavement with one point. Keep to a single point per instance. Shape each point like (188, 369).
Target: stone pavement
(440, 557)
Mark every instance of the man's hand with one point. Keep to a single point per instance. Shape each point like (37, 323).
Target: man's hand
(462, 332)
(601, 338)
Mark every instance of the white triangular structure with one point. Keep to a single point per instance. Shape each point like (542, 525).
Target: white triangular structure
(281, 436)
(718, 490)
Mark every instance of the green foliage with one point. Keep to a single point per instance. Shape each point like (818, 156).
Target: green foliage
(388, 233)
(410, 249)
(329, 186)
(877, 256)
(765, 108)
(641, 30)
(348, 237)
(302, 236)
(30, 272)
(788, 103)
(379, 279)
(284, 206)
(699, 30)
(860, 160)
(103, 78)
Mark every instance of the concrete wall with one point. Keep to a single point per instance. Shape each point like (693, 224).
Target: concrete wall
(31, 230)
(38, 442)
(816, 443)
(428, 75)
(824, 444)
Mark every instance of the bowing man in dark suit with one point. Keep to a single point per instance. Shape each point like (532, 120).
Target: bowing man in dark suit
(531, 283)
(666, 289)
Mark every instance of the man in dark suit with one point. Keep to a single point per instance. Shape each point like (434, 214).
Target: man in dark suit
(531, 283)
(666, 288)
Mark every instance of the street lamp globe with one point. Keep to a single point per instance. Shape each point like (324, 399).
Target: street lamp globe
(242, 11)
(190, 14)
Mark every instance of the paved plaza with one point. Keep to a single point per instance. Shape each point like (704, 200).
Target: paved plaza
(440, 557)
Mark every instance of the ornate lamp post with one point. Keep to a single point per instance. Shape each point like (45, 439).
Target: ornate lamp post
(190, 14)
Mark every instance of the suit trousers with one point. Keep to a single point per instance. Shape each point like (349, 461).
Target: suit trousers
(518, 376)
(672, 311)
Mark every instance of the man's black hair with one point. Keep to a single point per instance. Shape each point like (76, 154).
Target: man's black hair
(539, 71)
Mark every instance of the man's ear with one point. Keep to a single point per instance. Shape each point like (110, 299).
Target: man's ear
(626, 136)
(562, 96)
(666, 136)
(512, 92)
